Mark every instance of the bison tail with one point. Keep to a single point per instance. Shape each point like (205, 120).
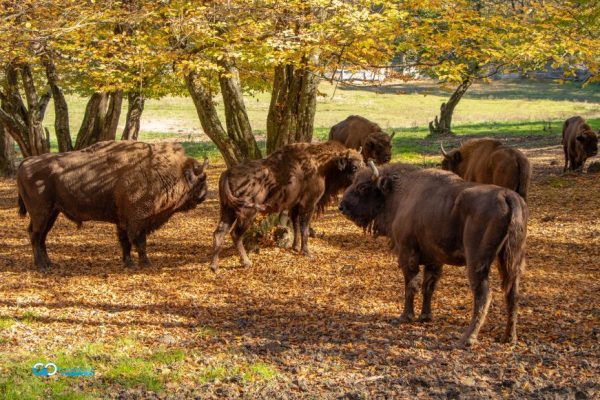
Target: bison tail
(22, 208)
(512, 254)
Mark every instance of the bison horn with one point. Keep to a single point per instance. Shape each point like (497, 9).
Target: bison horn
(205, 164)
(443, 151)
(392, 135)
(374, 169)
(360, 149)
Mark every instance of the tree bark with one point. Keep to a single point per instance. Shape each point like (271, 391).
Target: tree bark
(236, 116)
(100, 120)
(135, 108)
(7, 154)
(293, 105)
(61, 109)
(232, 147)
(443, 124)
(24, 122)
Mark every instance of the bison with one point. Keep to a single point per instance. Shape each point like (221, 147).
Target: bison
(579, 142)
(137, 186)
(434, 217)
(356, 132)
(489, 161)
(299, 178)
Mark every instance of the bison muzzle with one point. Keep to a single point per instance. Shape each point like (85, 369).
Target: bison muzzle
(434, 217)
(137, 186)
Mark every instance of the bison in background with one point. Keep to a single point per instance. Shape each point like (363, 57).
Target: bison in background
(579, 142)
(137, 186)
(300, 178)
(434, 217)
(489, 161)
(356, 132)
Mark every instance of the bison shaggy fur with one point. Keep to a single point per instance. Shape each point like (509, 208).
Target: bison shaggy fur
(490, 161)
(356, 132)
(135, 185)
(299, 178)
(579, 142)
(434, 217)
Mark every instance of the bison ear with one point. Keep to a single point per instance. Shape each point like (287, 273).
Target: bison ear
(190, 177)
(385, 184)
(581, 138)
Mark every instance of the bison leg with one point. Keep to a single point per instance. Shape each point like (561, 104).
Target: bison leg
(38, 229)
(510, 286)
(125, 246)
(410, 269)
(237, 235)
(295, 217)
(305, 218)
(479, 282)
(432, 274)
(566, 160)
(140, 246)
(227, 219)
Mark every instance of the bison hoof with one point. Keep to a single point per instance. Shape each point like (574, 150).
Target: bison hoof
(214, 267)
(509, 339)
(128, 262)
(467, 342)
(246, 263)
(425, 318)
(405, 319)
(144, 262)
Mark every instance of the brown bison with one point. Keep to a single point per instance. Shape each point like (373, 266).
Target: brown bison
(579, 142)
(299, 178)
(489, 161)
(356, 132)
(434, 217)
(137, 186)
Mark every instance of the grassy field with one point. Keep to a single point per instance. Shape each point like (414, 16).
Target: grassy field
(507, 108)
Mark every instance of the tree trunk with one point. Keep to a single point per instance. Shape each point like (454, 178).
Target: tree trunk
(293, 105)
(230, 146)
(100, 120)
(443, 125)
(135, 107)
(61, 109)
(7, 154)
(24, 123)
(236, 117)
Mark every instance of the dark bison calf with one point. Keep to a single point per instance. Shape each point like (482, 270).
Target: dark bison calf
(299, 178)
(434, 217)
(489, 161)
(579, 142)
(356, 132)
(137, 186)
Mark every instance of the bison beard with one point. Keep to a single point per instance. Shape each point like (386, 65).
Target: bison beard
(579, 143)
(135, 185)
(356, 132)
(298, 178)
(489, 161)
(433, 218)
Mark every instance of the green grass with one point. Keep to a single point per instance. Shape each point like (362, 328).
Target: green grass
(236, 372)
(506, 107)
(6, 323)
(124, 363)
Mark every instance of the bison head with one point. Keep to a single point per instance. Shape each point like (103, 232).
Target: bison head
(363, 201)
(378, 146)
(451, 159)
(588, 141)
(195, 176)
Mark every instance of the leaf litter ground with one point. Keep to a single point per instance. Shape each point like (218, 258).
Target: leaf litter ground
(296, 327)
